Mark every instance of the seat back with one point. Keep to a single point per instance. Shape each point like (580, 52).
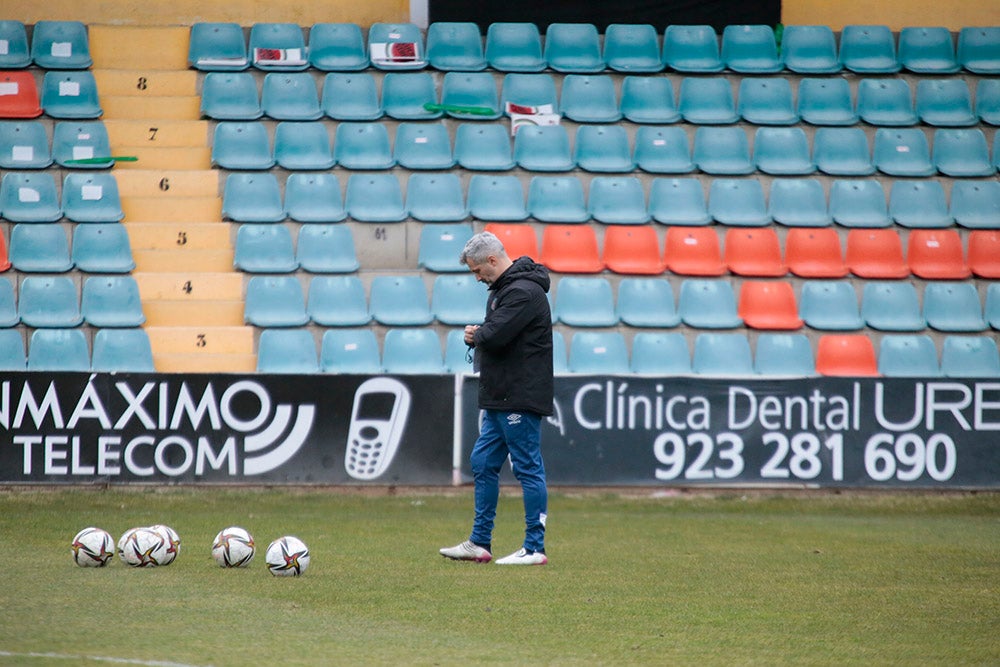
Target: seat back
(945, 103)
(632, 48)
(252, 197)
(662, 150)
(979, 49)
(767, 101)
(646, 302)
(754, 252)
(18, 53)
(678, 201)
(29, 197)
(919, 203)
(455, 45)
(875, 253)
(24, 145)
(22, 99)
(12, 357)
(423, 146)
(396, 46)
(412, 351)
(302, 146)
(927, 50)
(230, 96)
(708, 304)
(483, 147)
(529, 90)
(441, 246)
(337, 47)
(648, 100)
(584, 302)
(738, 202)
(831, 305)
(39, 249)
(902, 152)
(826, 101)
(291, 351)
(887, 102)
(463, 91)
(543, 148)
(70, 95)
(262, 248)
(868, 49)
(859, 203)
(798, 202)
(908, 355)
(693, 251)
(91, 197)
(969, 356)
(810, 49)
(514, 47)
(338, 301)
(314, 197)
(603, 148)
(60, 45)
(598, 353)
(570, 249)
(58, 350)
(589, 98)
(784, 354)
(722, 151)
(496, 198)
(984, 253)
(573, 47)
(350, 351)
(49, 302)
(404, 95)
(326, 249)
(692, 48)
(722, 355)
(275, 301)
(278, 47)
(8, 307)
(633, 250)
(953, 307)
(707, 101)
(842, 151)
(782, 151)
(350, 96)
(962, 153)
(217, 46)
(892, 306)
(242, 145)
(814, 253)
(975, 204)
(81, 145)
(436, 198)
(518, 240)
(768, 305)
(656, 353)
(363, 146)
(458, 299)
(457, 354)
(374, 198)
(557, 199)
(846, 355)
(751, 48)
(111, 301)
(122, 351)
(618, 200)
(936, 254)
(399, 300)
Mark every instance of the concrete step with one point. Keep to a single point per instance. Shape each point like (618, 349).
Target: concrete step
(146, 83)
(185, 260)
(179, 235)
(202, 340)
(168, 183)
(190, 286)
(180, 107)
(160, 133)
(155, 47)
(187, 313)
(205, 363)
(172, 209)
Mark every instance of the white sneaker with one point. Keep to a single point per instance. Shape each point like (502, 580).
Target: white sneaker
(522, 557)
(467, 551)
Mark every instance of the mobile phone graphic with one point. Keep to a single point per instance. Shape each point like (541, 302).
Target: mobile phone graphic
(378, 419)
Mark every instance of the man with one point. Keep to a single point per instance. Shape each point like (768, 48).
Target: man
(513, 350)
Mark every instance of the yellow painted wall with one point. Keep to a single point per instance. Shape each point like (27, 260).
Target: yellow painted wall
(896, 14)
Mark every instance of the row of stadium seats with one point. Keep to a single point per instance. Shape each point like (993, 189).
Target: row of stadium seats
(661, 353)
(946, 102)
(74, 145)
(578, 47)
(57, 350)
(52, 302)
(64, 94)
(96, 248)
(27, 196)
(53, 45)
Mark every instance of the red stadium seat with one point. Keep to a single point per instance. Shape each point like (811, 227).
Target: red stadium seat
(632, 250)
(754, 252)
(984, 253)
(846, 355)
(936, 254)
(571, 249)
(875, 253)
(519, 240)
(814, 253)
(693, 251)
(769, 305)
(19, 98)
(4, 255)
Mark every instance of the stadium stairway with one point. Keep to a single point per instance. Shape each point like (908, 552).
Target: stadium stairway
(192, 297)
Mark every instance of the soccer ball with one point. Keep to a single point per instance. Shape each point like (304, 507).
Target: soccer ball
(233, 547)
(122, 541)
(145, 548)
(173, 542)
(287, 557)
(93, 547)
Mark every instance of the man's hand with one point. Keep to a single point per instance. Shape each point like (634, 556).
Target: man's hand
(470, 331)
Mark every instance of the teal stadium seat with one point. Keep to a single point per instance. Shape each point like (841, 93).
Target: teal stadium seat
(288, 351)
(927, 50)
(784, 354)
(60, 45)
(557, 199)
(598, 353)
(514, 47)
(992, 308)
(560, 365)
(456, 353)
(70, 95)
(436, 198)
(374, 198)
(707, 101)
(662, 150)
(314, 197)
(49, 302)
(338, 301)
(24, 145)
(278, 47)
(102, 248)
(908, 355)
(29, 197)
(692, 48)
(350, 351)
(708, 304)
(396, 46)
(290, 96)
(217, 46)
(275, 301)
(483, 147)
(441, 245)
(337, 47)
(603, 149)
(798, 202)
(968, 356)
(399, 300)
(242, 146)
(617, 200)
(73, 141)
(632, 48)
(648, 100)
(404, 95)
(412, 352)
(122, 351)
(462, 90)
(455, 45)
(8, 307)
(678, 201)
(830, 305)
(350, 96)
(573, 47)
(531, 90)
(263, 248)
(230, 96)
(646, 302)
(810, 49)
(886, 102)
(766, 101)
(326, 249)
(868, 49)
(363, 146)
(58, 350)
(17, 55)
(859, 203)
(584, 302)
(111, 301)
(988, 102)
(751, 49)
(738, 202)
(496, 198)
(39, 249)
(722, 355)
(962, 153)
(826, 102)
(722, 151)
(902, 152)
(91, 197)
(423, 146)
(655, 353)
(953, 307)
(458, 299)
(919, 204)
(250, 197)
(979, 49)
(782, 151)
(302, 146)
(842, 151)
(945, 103)
(543, 148)
(12, 357)
(892, 306)
(587, 98)
(976, 204)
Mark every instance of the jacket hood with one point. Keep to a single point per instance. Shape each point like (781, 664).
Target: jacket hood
(524, 268)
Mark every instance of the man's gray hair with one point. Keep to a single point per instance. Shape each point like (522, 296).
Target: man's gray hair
(480, 247)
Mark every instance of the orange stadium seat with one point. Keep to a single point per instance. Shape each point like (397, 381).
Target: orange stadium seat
(875, 253)
(936, 254)
(571, 249)
(851, 355)
(21, 98)
(518, 239)
(632, 250)
(769, 305)
(754, 252)
(693, 251)
(814, 253)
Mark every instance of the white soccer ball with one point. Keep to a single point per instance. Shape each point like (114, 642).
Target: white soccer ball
(144, 548)
(173, 541)
(93, 547)
(233, 547)
(287, 557)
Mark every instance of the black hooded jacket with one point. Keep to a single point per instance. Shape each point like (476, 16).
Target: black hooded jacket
(514, 344)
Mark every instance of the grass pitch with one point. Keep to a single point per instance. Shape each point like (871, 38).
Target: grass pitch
(698, 579)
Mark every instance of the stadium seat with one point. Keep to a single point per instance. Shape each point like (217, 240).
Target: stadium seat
(632, 48)
(830, 305)
(12, 357)
(326, 249)
(988, 101)
(707, 101)
(962, 153)
(692, 48)
(290, 96)
(814, 253)
(399, 300)
(39, 249)
(102, 248)
(230, 96)
(49, 302)
(738, 202)
(754, 252)
(278, 47)
(842, 151)
(969, 357)
(782, 151)
(73, 141)
(784, 354)
(412, 352)
(242, 146)
(423, 146)
(648, 100)
(656, 353)
(810, 49)
(766, 101)
(302, 146)
(250, 197)
(17, 54)
(573, 47)
(441, 245)
(363, 146)
(875, 254)
(908, 355)
(768, 305)
(518, 240)
(984, 253)
(846, 355)
(798, 202)
(632, 250)
(111, 301)
(275, 301)
(693, 251)
(589, 98)
(396, 46)
(859, 203)
(337, 301)
(646, 302)
(927, 50)
(58, 350)
(483, 147)
(557, 199)
(529, 90)
(560, 365)
(722, 355)
(91, 197)
(570, 249)
(374, 198)
(751, 49)
(514, 47)
(29, 197)
(678, 201)
(979, 49)
(868, 49)
(892, 306)
(122, 351)
(470, 96)
(404, 95)
(216, 46)
(287, 351)
(454, 45)
(886, 102)
(584, 302)
(264, 249)
(617, 200)
(992, 308)
(919, 204)
(70, 95)
(457, 355)
(722, 151)
(953, 307)
(24, 145)
(350, 351)
(458, 299)
(337, 47)
(543, 148)
(60, 45)
(350, 96)
(826, 102)
(663, 150)
(496, 198)
(945, 103)
(22, 98)
(902, 152)
(436, 198)
(598, 353)
(708, 304)
(314, 197)
(976, 204)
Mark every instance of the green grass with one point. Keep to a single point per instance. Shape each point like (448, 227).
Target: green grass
(864, 579)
